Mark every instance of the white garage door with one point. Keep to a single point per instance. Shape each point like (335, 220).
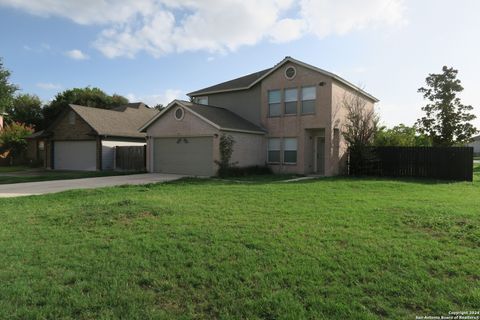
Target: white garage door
(192, 156)
(75, 155)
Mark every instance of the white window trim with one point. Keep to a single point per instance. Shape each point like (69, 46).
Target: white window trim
(175, 114)
(294, 74)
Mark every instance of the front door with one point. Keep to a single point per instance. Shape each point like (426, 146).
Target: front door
(320, 155)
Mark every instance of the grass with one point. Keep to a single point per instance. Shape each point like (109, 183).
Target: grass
(8, 169)
(56, 175)
(333, 248)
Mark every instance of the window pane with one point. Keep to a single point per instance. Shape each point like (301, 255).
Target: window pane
(290, 95)
(308, 106)
(274, 109)
(274, 96)
(290, 144)
(202, 100)
(273, 156)
(291, 107)
(308, 93)
(290, 156)
(274, 144)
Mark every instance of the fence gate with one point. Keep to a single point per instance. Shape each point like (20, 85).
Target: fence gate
(130, 158)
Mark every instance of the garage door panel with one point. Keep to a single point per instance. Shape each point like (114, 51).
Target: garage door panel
(75, 155)
(192, 156)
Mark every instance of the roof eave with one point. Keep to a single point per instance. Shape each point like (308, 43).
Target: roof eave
(202, 93)
(158, 115)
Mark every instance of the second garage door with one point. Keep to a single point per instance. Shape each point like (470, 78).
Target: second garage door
(192, 156)
(75, 155)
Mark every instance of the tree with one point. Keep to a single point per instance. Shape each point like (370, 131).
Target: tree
(446, 120)
(359, 130)
(90, 97)
(26, 109)
(12, 138)
(6, 88)
(401, 136)
(159, 107)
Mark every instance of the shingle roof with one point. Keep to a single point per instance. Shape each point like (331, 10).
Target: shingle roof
(242, 82)
(248, 81)
(221, 118)
(123, 121)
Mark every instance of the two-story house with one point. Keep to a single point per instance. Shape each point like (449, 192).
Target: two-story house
(288, 117)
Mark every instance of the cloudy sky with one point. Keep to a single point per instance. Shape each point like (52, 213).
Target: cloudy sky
(157, 50)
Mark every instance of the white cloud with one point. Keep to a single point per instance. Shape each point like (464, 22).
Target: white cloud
(48, 86)
(327, 17)
(159, 27)
(163, 98)
(76, 54)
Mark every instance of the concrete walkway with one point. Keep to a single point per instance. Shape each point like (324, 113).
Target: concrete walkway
(43, 187)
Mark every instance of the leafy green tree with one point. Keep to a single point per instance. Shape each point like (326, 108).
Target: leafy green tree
(6, 88)
(26, 109)
(401, 136)
(159, 107)
(12, 138)
(90, 97)
(447, 121)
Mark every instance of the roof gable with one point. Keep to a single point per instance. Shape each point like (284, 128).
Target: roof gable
(123, 121)
(231, 85)
(247, 82)
(220, 118)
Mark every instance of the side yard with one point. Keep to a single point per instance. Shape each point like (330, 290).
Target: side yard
(333, 248)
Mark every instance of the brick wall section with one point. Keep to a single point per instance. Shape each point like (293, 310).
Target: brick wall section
(296, 125)
(63, 130)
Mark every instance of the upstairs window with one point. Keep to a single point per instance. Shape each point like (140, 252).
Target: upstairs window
(290, 150)
(201, 100)
(291, 97)
(274, 150)
(309, 96)
(274, 102)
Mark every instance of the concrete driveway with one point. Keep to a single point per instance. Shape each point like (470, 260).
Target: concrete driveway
(43, 187)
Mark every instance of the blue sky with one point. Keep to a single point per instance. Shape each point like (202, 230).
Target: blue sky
(157, 50)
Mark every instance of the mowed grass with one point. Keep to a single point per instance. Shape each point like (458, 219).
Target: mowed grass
(206, 249)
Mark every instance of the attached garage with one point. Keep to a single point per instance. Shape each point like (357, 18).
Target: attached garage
(185, 138)
(75, 155)
(183, 155)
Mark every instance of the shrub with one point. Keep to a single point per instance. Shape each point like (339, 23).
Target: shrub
(246, 171)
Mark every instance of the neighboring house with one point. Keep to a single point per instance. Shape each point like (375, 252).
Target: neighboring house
(476, 145)
(288, 117)
(35, 153)
(84, 138)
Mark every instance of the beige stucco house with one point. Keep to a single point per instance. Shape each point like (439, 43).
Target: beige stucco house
(288, 117)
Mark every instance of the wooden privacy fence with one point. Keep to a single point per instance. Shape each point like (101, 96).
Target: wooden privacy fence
(130, 158)
(446, 163)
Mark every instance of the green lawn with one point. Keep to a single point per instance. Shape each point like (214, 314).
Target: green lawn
(45, 175)
(8, 169)
(207, 249)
